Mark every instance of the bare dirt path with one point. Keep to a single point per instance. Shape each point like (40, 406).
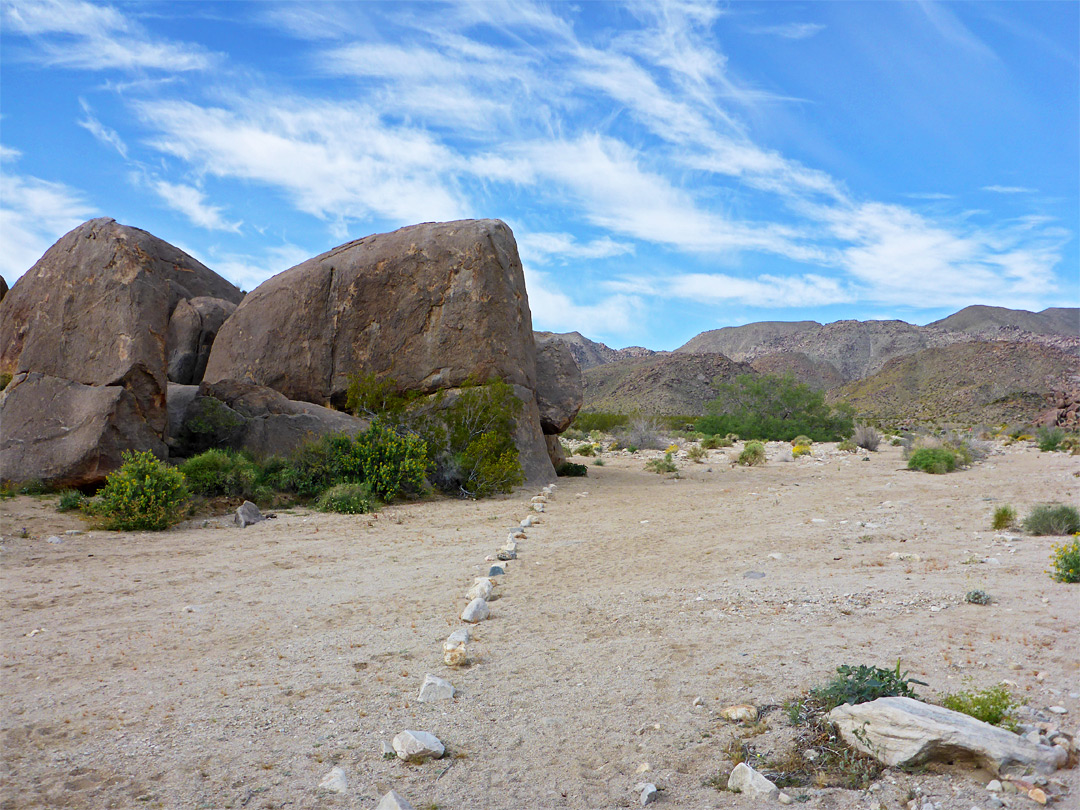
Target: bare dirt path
(209, 667)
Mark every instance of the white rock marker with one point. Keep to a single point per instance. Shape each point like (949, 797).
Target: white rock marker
(435, 688)
(526, 522)
(476, 611)
(455, 653)
(462, 636)
(745, 779)
(335, 781)
(481, 589)
(416, 746)
(394, 801)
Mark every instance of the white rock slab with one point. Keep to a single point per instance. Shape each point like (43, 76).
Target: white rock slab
(481, 589)
(462, 636)
(746, 780)
(416, 746)
(394, 801)
(476, 611)
(899, 731)
(335, 781)
(435, 688)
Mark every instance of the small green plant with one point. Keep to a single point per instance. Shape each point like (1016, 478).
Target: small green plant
(1004, 517)
(847, 446)
(713, 443)
(753, 455)
(5, 380)
(569, 469)
(598, 463)
(935, 460)
(220, 472)
(896, 441)
(1049, 439)
(862, 684)
(347, 499)
(71, 500)
(143, 494)
(34, 487)
(802, 441)
(993, 705)
(696, 453)
(586, 450)
(1052, 519)
(1065, 559)
(661, 465)
(978, 598)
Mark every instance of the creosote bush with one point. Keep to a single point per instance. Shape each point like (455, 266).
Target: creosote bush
(143, 494)
(1049, 438)
(347, 499)
(569, 469)
(1004, 517)
(935, 460)
(847, 446)
(993, 705)
(1065, 559)
(752, 455)
(697, 454)
(1052, 519)
(221, 472)
(661, 465)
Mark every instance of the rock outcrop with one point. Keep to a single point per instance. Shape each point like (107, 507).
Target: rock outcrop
(560, 387)
(1064, 410)
(93, 311)
(192, 328)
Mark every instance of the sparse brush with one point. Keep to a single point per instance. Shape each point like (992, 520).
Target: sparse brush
(753, 455)
(801, 450)
(1052, 519)
(1049, 438)
(847, 446)
(993, 705)
(861, 684)
(598, 463)
(1004, 517)
(716, 442)
(661, 465)
(802, 441)
(1065, 558)
(696, 453)
(347, 499)
(645, 433)
(977, 598)
(220, 472)
(585, 450)
(143, 494)
(672, 448)
(571, 470)
(71, 500)
(866, 437)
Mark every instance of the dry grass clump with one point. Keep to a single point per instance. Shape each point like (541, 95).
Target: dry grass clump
(866, 437)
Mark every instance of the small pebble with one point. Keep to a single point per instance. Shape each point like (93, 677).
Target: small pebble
(649, 794)
(54, 540)
(1059, 710)
(994, 786)
(335, 781)
(783, 798)
(496, 571)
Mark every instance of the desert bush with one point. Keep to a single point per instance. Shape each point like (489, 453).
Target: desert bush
(71, 500)
(587, 421)
(866, 437)
(661, 465)
(896, 441)
(1052, 519)
(391, 463)
(598, 463)
(220, 472)
(1049, 438)
(696, 453)
(586, 450)
(570, 470)
(1004, 517)
(977, 598)
(861, 684)
(802, 441)
(752, 455)
(672, 448)
(143, 494)
(347, 499)
(993, 705)
(714, 442)
(778, 408)
(1065, 559)
(801, 450)
(209, 423)
(847, 446)
(644, 433)
(573, 434)
(936, 460)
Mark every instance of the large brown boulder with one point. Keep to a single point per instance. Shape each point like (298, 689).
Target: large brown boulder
(68, 434)
(193, 326)
(429, 305)
(95, 309)
(560, 388)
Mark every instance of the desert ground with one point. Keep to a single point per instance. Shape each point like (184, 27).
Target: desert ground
(216, 667)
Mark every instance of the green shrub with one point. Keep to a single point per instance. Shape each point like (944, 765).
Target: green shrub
(5, 380)
(598, 463)
(347, 499)
(587, 421)
(71, 500)
(936, 460)
(847, 446)
(209, 423)
(896, 441)
(143, 494)
(862, 684)
(715, 442)
(977, 598)
(661, 465)
(570, 470)
(1052, 519)
(35, 487)
(753, 455)
(573, 434)
(696, 453)
(586, 450)
(1004, 517)
(802, 441)
(1049, 438)
(220, 472)
(993, 705)
(390, 464)
(778, 408)
(378, 397)
(1065, 558)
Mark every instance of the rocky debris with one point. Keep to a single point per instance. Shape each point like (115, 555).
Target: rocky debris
(393, 801)
(648, 792)
(506, 556)
(745, 779)
(741, 713)
(335, 781)
(68, 434)
(435, 688)
(899, 731)
(481, 589)
(476, 611)
(1063, 410)
(560, 388)
(905, 556)
(248, 514)
(192, 328)
(95, 310)
(416, 746)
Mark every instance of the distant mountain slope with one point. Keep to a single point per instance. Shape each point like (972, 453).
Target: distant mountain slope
(971, 382)
(590, 353)
(818, 374)
(662, 384)
(741, 343)
(978, 319)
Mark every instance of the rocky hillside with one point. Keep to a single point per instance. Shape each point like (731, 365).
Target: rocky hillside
(662, 384)
(590, 353)
(745, 342)
(981, 320)
(967, 383)
(818, 374)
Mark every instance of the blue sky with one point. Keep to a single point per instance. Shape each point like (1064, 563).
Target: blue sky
(667, 167)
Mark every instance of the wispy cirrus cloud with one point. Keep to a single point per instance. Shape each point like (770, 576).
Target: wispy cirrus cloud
(192, 203)
(1009, 189)
(789, 30)
(87, 36)
(107, 136)
(542, 247)
(553, 310)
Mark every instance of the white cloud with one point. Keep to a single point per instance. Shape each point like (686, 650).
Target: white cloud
(554, 311)
(1009, 189)
(929, 195)
(75, 34)
(761, 291)
(541, 247)
(8, 153)
(34, 213)
(789, 30)
(249, 271)
(104, 134)
(191, 202)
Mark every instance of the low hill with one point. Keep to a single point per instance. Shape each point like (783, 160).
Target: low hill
(663, 384)
(981, 319)
(741, 343)
(588, 353)
(987, 382)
